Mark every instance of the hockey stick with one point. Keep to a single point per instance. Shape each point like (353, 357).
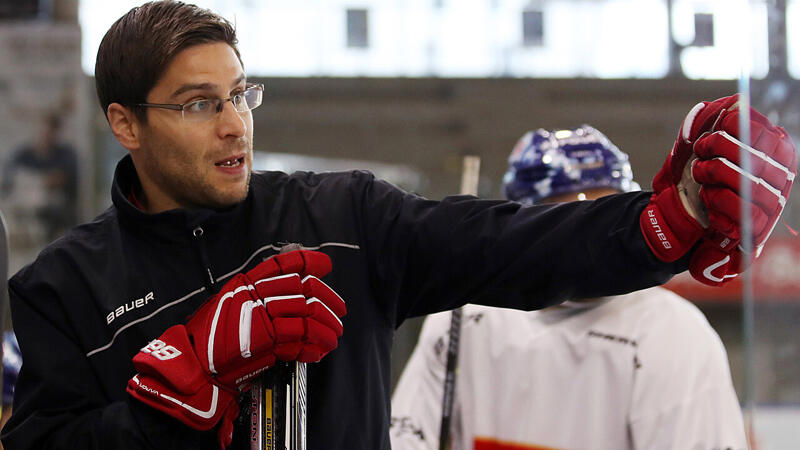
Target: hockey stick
(278, 404)
(3, 281)
(278, 408)
(469, 186)
(3, 268)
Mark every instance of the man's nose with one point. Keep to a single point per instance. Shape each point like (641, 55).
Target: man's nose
(231, 122)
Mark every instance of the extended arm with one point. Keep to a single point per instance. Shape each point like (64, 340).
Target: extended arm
(430, 256)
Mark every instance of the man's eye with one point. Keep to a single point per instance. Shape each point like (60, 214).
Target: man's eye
(198, 106)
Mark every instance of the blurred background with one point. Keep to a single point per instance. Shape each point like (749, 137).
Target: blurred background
(406, 88)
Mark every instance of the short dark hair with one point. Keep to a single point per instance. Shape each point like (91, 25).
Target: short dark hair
(138, 47)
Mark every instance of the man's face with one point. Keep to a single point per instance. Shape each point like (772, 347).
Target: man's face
(184, 164)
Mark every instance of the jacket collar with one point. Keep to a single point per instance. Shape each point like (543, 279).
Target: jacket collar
(179, 220)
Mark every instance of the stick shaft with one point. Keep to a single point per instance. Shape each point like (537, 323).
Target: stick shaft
(3, 282)
(278, 408)
(278, 403)
(4, 245)
(470, 176)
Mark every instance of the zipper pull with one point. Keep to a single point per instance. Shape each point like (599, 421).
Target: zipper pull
(198, 234)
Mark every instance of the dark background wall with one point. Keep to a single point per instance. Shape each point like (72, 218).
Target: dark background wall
(430, 123)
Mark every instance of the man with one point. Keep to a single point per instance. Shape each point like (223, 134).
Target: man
(40, 182)
(636, 371)
(187, 217)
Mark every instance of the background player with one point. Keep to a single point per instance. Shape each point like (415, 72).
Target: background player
(642, 370)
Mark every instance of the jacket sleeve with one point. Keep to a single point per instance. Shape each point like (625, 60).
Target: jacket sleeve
(417, 399)
(431, 256)
(59, 402)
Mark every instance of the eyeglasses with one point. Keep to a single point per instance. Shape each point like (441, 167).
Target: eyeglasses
(205, 109)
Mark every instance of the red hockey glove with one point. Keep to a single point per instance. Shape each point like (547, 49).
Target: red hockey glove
(773, 165)
(670, 225)
(271, 314)
(323, 324)
(171, 380)
(678, 214)
(234, 337)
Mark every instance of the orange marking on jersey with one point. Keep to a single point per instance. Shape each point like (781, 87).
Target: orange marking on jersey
(482, 443)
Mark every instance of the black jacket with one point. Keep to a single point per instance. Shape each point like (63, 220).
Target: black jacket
(92, 299)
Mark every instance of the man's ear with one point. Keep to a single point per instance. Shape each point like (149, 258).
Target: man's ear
(125, 126)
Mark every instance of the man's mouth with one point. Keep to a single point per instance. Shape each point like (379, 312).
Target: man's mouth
(233, 162)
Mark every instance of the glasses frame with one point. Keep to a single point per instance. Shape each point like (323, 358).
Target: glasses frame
(221, 103)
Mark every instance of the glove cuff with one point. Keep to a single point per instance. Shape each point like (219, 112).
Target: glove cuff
(667, 227)
(201, 411)
(713, 266)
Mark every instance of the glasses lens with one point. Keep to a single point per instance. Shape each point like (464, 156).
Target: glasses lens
(200, 110)
(253, 95)
(239, 102)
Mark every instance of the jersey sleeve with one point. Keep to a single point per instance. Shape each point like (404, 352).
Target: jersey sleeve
(417, 399)
(58, 401)
(429, 256)
(683, 396)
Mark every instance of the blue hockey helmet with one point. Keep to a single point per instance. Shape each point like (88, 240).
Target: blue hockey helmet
(545, 163)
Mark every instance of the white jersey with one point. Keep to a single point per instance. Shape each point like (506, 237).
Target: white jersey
(639, 371)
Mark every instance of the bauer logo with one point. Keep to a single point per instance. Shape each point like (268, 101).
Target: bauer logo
(657, 230)
(129, 306)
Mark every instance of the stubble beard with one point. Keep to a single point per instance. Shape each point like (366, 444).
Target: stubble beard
(187, 183)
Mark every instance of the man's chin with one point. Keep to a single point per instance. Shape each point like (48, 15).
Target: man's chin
(230, 199)
(217, 195)
(219, 200)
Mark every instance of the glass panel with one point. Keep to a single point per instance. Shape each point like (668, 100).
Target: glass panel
(793, 37)
(771, 291)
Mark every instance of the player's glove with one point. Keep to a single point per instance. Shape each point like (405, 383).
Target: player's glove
(773, 165)
(707, 152)
(195, 372)
(171, 380)
(307, 326)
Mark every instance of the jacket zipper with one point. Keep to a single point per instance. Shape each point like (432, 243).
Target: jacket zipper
(197, 234)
